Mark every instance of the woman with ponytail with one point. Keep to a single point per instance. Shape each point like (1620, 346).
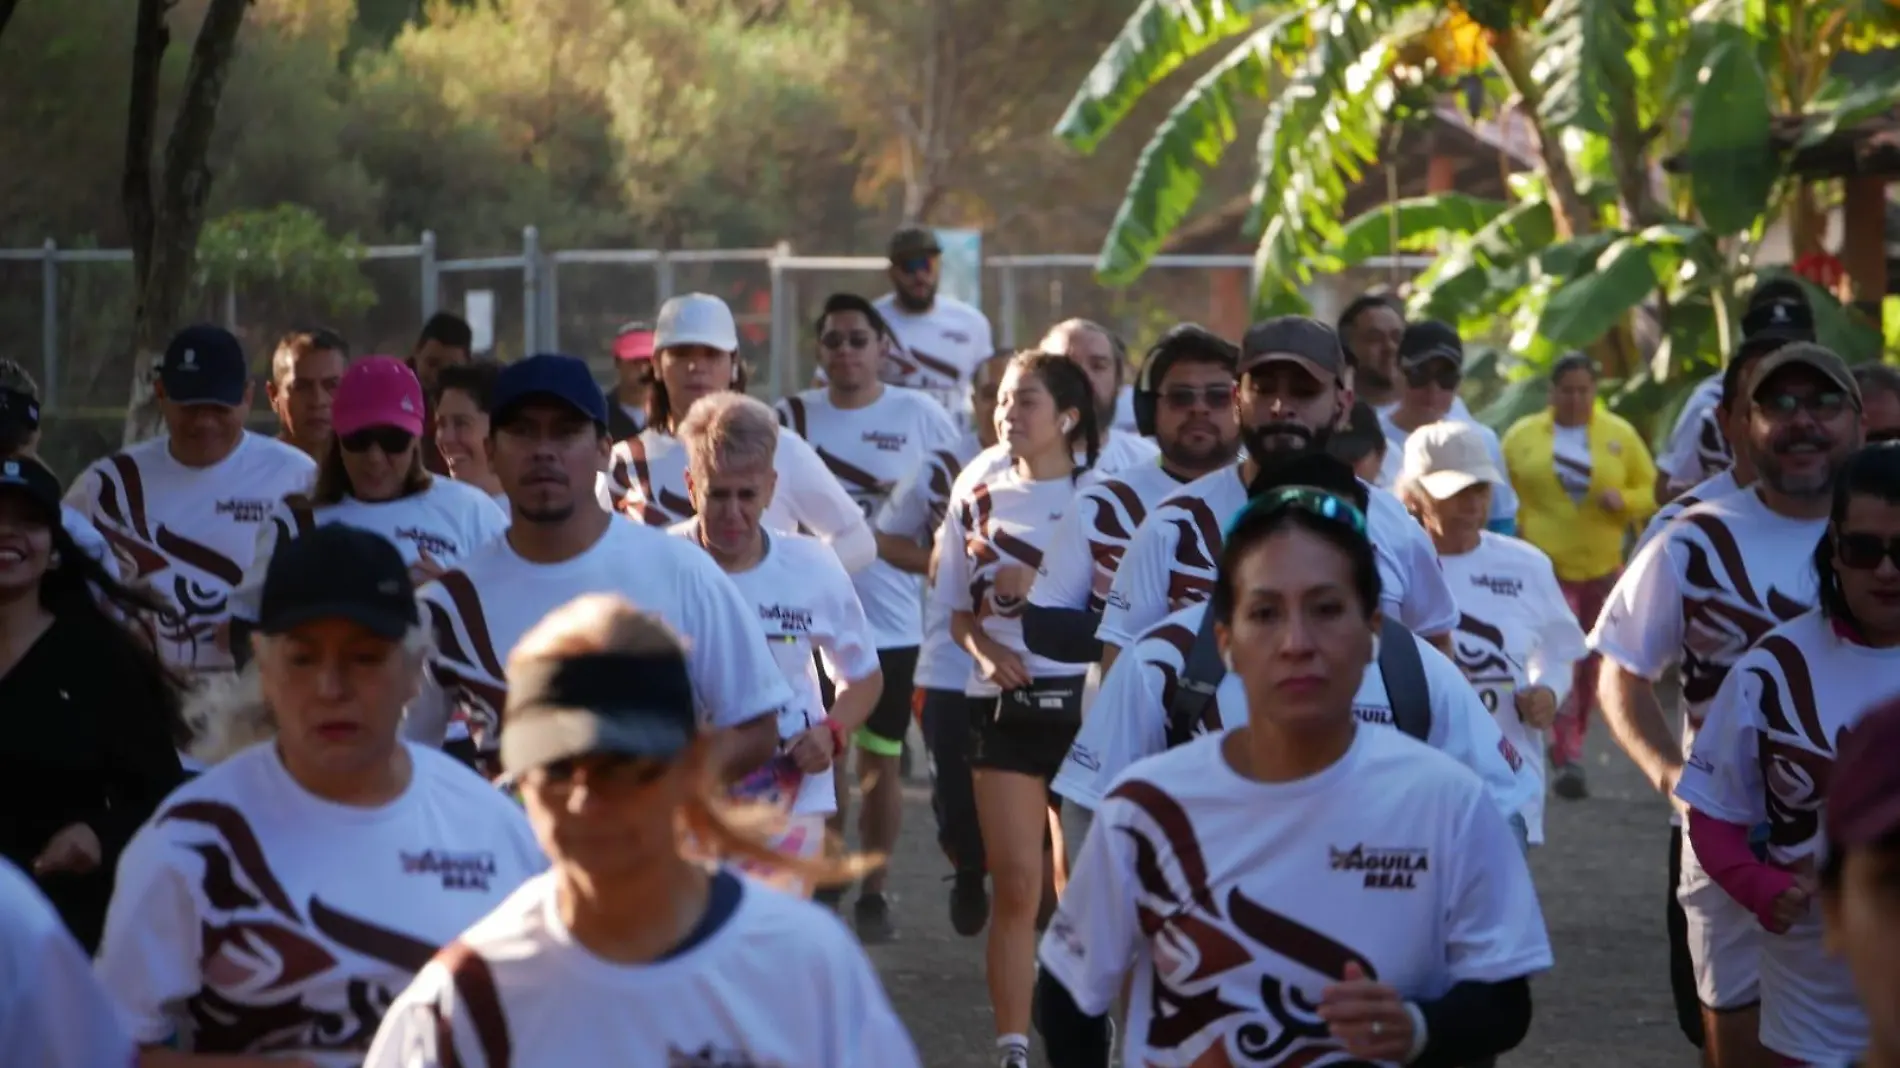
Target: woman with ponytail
(632, 946)
(1024, 709)
(1766, 755)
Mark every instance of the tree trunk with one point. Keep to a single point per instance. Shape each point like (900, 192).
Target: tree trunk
(165, 221)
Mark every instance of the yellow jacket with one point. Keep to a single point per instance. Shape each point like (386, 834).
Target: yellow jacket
(1583, 540)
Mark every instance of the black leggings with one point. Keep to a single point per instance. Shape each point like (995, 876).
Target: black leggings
(952, 798)
(1682, 988)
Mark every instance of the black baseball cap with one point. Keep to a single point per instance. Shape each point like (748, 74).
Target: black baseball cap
(550, 375)
(204, 364)
(1361, 435)
(1772, 323)
(19, 409)
(625, 704)
(1428, 340)
(338, 572)
(911, 241)
(1294, 339)
(25, 475)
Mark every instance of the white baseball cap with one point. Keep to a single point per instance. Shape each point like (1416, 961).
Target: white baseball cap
(696, 319)
(1446, 458)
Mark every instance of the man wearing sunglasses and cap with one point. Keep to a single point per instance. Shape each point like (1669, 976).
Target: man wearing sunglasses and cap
(1431, 366)
(940, 339)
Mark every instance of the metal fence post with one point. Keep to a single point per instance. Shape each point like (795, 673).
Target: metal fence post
(662, 281)
(230, 306)
(550, 305)
(49, 324)
(431, 278)
(1010, 306)
(530, 289)
(781, 315)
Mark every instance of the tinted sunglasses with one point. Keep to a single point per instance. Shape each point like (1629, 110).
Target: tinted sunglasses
(1863, 552)
(839, 339)
(1435, 373)
(1308, 499)
(1183, 398)
(914, 264)
(389, 439)
(1824, 404)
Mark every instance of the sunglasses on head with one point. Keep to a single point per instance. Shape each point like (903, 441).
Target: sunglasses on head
(1311, 500)
(389, 439)
(1864, 552)
(840, 339)
(1182, 398)
(1434, 373)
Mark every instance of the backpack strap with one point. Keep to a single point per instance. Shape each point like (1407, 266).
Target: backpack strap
(303, 513)
(795, 407)
(1200, 678)
(1404, 671)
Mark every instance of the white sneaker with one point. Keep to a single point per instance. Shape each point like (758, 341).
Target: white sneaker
(1013, 1058)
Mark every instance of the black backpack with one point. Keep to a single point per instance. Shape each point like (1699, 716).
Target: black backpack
(1399, 663)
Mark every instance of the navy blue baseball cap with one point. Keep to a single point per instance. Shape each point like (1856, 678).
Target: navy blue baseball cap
(204, 364)
(549, 375)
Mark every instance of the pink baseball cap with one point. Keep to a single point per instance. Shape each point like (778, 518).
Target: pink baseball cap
(634, 342)
(377, 391)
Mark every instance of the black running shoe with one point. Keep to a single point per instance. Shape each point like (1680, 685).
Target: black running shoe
(969, 903)
(872, 916)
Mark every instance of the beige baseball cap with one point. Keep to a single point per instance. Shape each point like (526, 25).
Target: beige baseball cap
(1446, 458)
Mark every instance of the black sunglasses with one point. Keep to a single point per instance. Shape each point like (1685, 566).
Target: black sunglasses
(1863, 552)
(1182, 398)
(387, 438)
(914, 264)
(1436, 373)
(1824, 404)
(838, 339)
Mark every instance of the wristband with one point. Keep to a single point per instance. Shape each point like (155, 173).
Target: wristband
(839, 742)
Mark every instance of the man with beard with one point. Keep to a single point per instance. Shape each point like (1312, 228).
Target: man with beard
(1722, 575)
(940, 339)
(548, 436)
(1292, 395)
(1104, 359)
(1185, 401)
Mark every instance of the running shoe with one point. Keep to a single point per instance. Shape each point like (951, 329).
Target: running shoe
(1570, 784)
(1012, 1057)
(872, 916)
(969, 903)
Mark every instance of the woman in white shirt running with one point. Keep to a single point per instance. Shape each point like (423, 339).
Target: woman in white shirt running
(1516, 639)
(276, 903)
(805, 600)
(1024, 709)
(632, 950)
(1300, 889)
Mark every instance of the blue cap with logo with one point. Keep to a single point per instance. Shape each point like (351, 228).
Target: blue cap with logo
(204, 364)
(549, 375)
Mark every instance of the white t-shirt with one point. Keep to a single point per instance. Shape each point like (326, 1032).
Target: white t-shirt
(1125, 410)
(251, 916)
(1724, 574)
(1570, 458)
(938, 349)
(1173, 559)
(805, 603)
(650, 472)
(448, 520)
(767, 979)
(1118, 453)
(190, 531)
(1696, 449)
(1246, 899)
(1716, 486)
(868, 450)
(1088, 545)
(1129, 720)
(1005, 520)
(89, 540)
(915, 510)
(1503, 497)
(52, 1012)
(483, 607)
(1784, 707)
(1514, 630)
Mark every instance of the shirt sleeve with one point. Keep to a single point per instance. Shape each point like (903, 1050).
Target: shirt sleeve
(487, 522)
(427, 1027)
(1639, 477)
(1427, 607)
(1138, 598)
(1722, 777)
(734, 675)
(277, 526)
(869, 1030)
(1680, 460)
(952, 588)
(1560, 642)
(906, 512)
(1067, 575)
(1495, 926)
(1126, 723)
(1464, 730)
(1094, 937)
(1640, 628)
(83, 493)
(149, 952)
(53, 1013)
(822, 506)
(846, 644)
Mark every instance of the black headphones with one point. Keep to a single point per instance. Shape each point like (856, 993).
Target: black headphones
(1147, 398)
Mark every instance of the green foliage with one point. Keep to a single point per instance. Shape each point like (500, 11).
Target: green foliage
(1583, 61)
(289, 251)
(1733, 167)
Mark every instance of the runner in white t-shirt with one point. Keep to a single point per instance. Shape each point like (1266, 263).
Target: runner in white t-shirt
(52, 1012)
(1323, 892)
(805, 605)
(1023, 709)
(277, 902)
(185, 507)
(1431, 365)
(373, 479)
(940, 339)
(1292, 395)
(1186, 403)
(548, 436)
(20, 436)
(1698, 447)
(633, 950)
(696, 345)
(1717, 579)
(1517, 640)
(1767, 748)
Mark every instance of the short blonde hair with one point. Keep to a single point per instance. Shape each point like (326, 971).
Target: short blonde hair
(728, 430)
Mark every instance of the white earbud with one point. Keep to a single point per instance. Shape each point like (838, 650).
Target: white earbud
(1067, 424)
(1227, 661)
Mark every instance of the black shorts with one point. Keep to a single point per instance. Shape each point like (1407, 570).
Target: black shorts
(1682, 987)
(1027, 748)
(890, 720)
